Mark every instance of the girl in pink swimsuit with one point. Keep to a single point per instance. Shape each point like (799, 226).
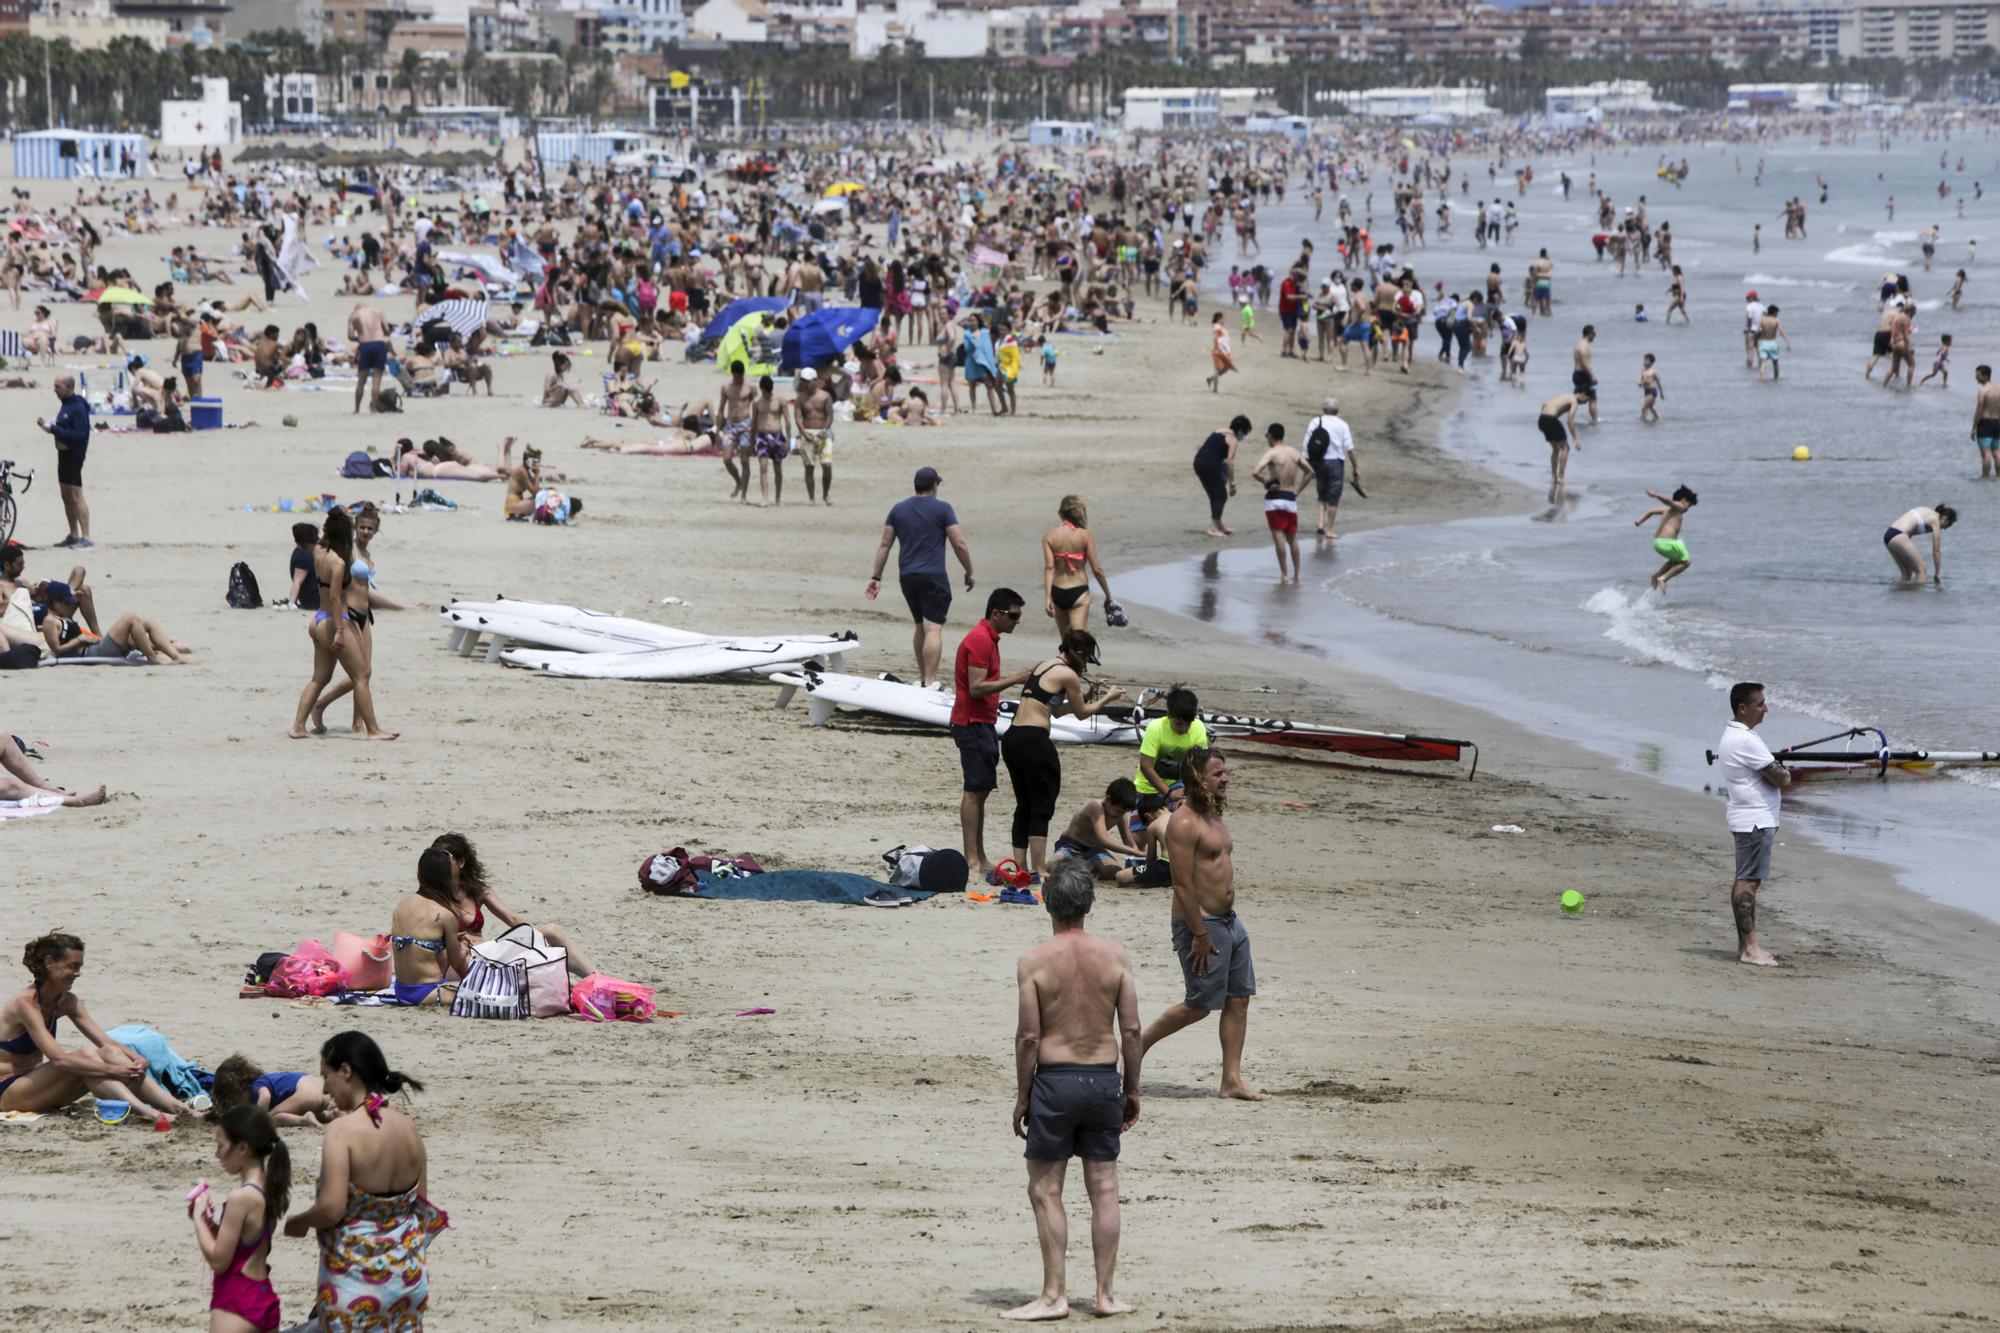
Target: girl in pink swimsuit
(247, 1144)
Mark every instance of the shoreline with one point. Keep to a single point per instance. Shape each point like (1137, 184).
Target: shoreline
(1487, 1114)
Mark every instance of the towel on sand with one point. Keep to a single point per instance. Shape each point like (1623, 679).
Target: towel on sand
(797, 886)
(174, 1071)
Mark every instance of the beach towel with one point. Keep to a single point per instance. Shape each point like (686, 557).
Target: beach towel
(174, 1071)
(45, 804)
(795, 886)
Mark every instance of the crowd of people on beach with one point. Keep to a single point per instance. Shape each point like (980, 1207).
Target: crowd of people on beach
(941, 273)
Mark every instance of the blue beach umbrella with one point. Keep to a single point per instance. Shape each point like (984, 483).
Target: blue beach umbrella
(736, 310)
(825, 334)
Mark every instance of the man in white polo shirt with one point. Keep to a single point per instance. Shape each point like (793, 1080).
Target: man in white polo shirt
(1329, 447)
(1755, 782)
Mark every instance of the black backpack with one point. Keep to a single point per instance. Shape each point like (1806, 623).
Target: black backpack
(243, 592)
(1318, 443)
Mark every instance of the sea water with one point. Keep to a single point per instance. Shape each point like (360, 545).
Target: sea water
(1547, 619)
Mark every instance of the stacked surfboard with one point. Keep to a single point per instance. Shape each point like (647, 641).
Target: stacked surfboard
(571, 641)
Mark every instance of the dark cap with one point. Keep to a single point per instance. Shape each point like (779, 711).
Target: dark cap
(927, 477)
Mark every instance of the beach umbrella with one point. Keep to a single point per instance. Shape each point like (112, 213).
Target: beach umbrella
(121, 296)
(844, 187)
(466, 317)
(740, 344)
(734, 313)
(825, 334)
(825, 206)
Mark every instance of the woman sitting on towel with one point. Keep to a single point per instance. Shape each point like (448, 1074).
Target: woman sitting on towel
(476, 898)
(37, 1074)
(370, 1210)
(411, 463)
(424, 932)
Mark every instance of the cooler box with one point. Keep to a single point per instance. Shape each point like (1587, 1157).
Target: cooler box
(205, 413)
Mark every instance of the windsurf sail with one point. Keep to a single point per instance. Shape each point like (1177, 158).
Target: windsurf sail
(1808, 763)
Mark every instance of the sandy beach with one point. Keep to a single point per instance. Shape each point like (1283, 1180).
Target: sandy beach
(1486, 1115)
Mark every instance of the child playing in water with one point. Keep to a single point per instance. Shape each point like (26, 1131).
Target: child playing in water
(1649, 383)
(290, 1099)
(1939, 368)
(1667, 537)
(242, 1298)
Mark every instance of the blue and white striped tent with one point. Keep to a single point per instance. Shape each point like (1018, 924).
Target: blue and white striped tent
(39, 155)
(558, 148)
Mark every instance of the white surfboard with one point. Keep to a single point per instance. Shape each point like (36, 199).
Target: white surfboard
(827, 691)
(584, 632)
(695, 661)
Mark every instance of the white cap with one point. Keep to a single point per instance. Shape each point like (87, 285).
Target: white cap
(808, 374)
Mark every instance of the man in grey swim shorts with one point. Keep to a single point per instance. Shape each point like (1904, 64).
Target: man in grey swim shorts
(1070, 1100)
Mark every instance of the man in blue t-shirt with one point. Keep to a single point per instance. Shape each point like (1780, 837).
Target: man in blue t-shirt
(923, 524)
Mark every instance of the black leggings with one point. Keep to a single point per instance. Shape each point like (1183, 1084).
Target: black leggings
(1215, 480)
(1036, 772)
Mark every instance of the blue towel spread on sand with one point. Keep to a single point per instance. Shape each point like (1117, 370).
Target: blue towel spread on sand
(797, 886)
(174, 1071)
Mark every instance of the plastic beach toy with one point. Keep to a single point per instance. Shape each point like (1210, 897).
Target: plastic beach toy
(112, 1113)
(1572, 901)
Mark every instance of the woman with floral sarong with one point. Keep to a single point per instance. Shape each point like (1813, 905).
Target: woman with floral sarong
(373, 1218)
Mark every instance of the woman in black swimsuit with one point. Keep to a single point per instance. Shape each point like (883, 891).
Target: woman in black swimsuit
(36, 1074)
(1069, 558)
(1055, 686)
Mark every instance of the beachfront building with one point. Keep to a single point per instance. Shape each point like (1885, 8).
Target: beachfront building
(1407, 103)
(211, 120)
(1062, 133)
(1173, 109)
(58, 154)
(1918, 30)
(1776, 98)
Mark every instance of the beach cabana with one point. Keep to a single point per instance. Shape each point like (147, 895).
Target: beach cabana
(43, 155)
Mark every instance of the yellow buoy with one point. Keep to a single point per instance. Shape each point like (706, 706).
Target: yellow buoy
(1801, 454)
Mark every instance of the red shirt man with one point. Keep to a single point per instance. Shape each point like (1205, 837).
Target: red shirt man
(975, 706)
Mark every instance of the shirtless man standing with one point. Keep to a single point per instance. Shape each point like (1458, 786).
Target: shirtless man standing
(1541, 276)
(812, 409)
(1209, 939)
(770, 426)
(1880, 347)
(806, 283)
(736, 438)
(369, 332)
(1986, 421)
(1902, 353)
(1582, 375)
(1079, 1011)
(1284, 472)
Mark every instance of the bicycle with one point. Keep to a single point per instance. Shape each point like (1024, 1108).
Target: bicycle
(9, 511)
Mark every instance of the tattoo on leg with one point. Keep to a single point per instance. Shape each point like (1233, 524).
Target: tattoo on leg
(1745, 904)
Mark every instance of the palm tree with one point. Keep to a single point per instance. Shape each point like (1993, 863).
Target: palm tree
(409, 74)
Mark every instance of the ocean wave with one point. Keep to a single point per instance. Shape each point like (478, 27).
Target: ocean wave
(1636, 623)
(1895, 238)
(1757, 280)
(1861, 254)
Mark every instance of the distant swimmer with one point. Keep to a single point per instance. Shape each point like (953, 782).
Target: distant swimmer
(1558, 426)
(1542, 274)
(1940, 364)
(1667, 542)
(1770, 331)
(1753, 310)
(1957, 289)
(1677, 291)
(1901, 537)
(1654, 391)
(1986, 421)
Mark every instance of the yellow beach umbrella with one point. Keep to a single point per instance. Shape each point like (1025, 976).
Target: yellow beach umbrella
(122, 296)
(844, 187)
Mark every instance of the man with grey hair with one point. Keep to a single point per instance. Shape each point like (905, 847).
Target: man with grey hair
(1330, 450)
(1070, 1100)
(71, 431)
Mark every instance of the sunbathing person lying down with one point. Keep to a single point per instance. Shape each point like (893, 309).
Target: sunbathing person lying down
(20, 782)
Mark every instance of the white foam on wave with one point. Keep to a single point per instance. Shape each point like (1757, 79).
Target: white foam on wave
(1861, 254)
(1637, 623)
(1895, 237)
(1755, 281)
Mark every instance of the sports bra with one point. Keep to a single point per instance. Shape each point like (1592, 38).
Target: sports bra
(1032, 687)
(404, 941)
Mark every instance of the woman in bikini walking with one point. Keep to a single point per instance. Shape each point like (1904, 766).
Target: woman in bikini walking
(1069, 558)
